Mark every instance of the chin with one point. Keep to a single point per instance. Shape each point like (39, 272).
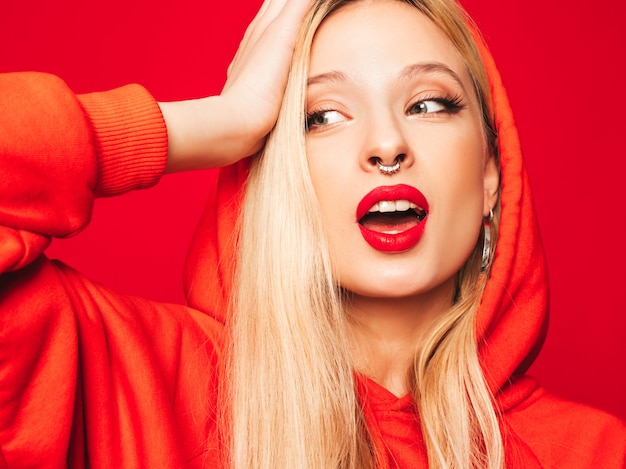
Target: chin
(406, 286)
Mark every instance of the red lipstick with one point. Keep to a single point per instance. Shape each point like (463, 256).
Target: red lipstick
(402, 239)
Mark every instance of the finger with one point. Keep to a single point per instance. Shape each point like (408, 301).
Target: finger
(266, 14)
(268, 11)
(280, 19)
(273, 11)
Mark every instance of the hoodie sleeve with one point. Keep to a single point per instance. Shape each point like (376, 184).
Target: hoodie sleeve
(58, 151)
(90, 377)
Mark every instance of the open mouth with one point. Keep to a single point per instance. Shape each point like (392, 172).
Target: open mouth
(392, 216)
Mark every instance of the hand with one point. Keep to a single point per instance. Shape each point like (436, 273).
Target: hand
(220, 130)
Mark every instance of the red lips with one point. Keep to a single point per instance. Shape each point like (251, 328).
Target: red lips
(403, 239)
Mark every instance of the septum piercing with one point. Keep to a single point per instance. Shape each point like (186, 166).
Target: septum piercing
(389, 170)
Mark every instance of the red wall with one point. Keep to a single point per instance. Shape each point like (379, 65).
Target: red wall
(563, 63)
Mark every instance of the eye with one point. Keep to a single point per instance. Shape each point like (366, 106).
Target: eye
(436, 106)
(426, 107)
(323, 118)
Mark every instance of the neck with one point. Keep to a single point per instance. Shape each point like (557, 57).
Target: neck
(386, 333)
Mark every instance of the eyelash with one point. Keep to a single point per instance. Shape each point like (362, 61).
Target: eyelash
(310, 116)
(452, 104)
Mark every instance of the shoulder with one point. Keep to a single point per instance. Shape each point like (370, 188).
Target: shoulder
(51, 302)
(122, 358)
(562, 433)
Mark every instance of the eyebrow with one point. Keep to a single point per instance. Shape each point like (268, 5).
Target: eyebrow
(431, 68)
(410, 71)
(329, 77)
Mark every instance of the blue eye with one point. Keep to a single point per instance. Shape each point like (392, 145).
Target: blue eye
(318, 119)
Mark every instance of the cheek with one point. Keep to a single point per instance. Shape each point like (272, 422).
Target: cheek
(453, 161)
(332, 174)
(322, 174)
(454, 175)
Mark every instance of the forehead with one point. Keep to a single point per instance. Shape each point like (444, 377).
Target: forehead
(380, 35)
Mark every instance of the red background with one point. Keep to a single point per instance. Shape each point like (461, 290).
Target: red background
(563, 63)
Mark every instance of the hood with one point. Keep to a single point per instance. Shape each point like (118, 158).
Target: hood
(512, 319)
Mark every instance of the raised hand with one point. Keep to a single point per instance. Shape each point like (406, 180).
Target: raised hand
(220, 130)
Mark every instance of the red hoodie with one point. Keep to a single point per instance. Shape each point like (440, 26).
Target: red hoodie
(92, 378)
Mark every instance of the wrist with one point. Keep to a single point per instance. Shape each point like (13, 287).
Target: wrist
(204, 133)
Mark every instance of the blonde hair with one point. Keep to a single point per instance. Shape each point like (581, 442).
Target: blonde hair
(290, 397)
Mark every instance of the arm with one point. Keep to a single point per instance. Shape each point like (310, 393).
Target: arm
(74, 353)
(58, 151)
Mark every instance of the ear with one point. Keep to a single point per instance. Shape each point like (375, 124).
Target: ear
(491, 183)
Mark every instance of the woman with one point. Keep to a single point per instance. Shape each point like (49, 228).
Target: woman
(380, 110)
(355, 338)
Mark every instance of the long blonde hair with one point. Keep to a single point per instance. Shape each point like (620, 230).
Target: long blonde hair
(290, 394)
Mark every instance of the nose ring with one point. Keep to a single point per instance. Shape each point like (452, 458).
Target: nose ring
(389, 169)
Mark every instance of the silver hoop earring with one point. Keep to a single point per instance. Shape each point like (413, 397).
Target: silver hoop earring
(486, 256)
(394, 168)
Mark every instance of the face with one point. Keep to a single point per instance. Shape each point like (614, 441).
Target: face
(386, 87)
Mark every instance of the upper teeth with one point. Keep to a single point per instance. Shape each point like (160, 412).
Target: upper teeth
(392, 206)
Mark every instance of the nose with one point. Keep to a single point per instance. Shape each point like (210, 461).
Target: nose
(386, 147)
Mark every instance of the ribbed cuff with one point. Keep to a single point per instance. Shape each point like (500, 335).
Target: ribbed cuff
(130, 138)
